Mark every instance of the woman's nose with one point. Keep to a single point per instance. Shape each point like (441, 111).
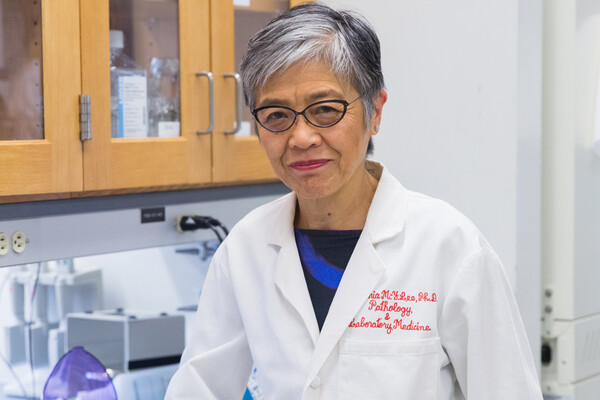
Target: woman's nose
(304, 135)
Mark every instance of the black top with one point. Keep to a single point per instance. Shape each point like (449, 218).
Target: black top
(324, 256)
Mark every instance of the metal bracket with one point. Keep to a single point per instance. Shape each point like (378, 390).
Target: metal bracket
(85, 117)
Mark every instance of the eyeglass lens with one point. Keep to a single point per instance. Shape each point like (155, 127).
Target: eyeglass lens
(320, 114)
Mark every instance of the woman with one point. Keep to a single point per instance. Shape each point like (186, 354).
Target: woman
(350, 287)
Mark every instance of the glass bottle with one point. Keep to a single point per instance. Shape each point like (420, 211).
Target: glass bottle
(128, 92)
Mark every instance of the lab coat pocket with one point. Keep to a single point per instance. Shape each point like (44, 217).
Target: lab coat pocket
(388, 369)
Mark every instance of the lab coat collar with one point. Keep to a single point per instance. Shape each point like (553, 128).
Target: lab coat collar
(282, 231)
(387, 212)
(385, 218)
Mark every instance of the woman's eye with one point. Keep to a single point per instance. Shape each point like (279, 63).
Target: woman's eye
(276, 115)
(325, 110)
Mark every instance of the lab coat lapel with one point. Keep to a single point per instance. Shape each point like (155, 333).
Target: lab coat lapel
(288, 274)
(362, 273)
(364, 270)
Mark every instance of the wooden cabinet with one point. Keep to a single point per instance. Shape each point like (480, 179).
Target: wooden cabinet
(236, 157)
(48, 162)
(116, 163)
(76, 42)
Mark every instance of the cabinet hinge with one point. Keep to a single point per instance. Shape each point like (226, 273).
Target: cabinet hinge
(85, 117)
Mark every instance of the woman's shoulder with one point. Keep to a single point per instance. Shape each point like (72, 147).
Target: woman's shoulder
(437, 208)
(417, 209)
(442, 220)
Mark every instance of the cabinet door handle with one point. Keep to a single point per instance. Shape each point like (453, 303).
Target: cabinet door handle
(211, 101)
(237, 124)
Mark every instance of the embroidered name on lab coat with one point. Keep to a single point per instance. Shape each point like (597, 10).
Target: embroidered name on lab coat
(392, 310)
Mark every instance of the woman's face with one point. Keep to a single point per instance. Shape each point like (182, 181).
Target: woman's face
(316, 162)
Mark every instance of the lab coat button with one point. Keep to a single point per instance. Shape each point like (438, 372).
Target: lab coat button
(315, 382)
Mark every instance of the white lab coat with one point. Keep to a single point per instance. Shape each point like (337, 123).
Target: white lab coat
(460, 337)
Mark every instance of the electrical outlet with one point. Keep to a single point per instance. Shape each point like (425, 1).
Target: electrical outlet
(4, 244)
(18, 242)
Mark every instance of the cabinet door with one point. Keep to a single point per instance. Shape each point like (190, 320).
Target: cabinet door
(150, 107)
(40, 151)
(237, 156)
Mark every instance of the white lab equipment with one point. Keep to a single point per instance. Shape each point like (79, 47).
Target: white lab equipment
(40, 296)
(144, 384)
(59, 289)
(14, 331)
(596, 138)
(570, 251)
(76, 291)
(127, 340)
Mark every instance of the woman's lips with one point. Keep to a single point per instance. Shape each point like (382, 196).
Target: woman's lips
(306, 165)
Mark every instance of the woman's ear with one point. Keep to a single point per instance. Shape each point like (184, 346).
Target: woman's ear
(378, 103)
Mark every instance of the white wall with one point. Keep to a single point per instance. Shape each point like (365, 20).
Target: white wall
(463, 118)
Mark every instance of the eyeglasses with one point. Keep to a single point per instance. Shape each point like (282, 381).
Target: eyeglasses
(321, 114)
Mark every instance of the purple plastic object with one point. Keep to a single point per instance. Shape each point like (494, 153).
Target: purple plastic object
(79, 375)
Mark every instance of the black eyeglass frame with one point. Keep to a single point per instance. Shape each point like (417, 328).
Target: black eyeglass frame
(296, 113)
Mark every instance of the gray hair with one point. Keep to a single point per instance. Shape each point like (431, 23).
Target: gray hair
(315, 32)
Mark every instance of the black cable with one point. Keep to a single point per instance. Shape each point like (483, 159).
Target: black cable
(216, 232)
(223, 228)
(29, 332)
(2, 356)
(195, 222)
(216, 222)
